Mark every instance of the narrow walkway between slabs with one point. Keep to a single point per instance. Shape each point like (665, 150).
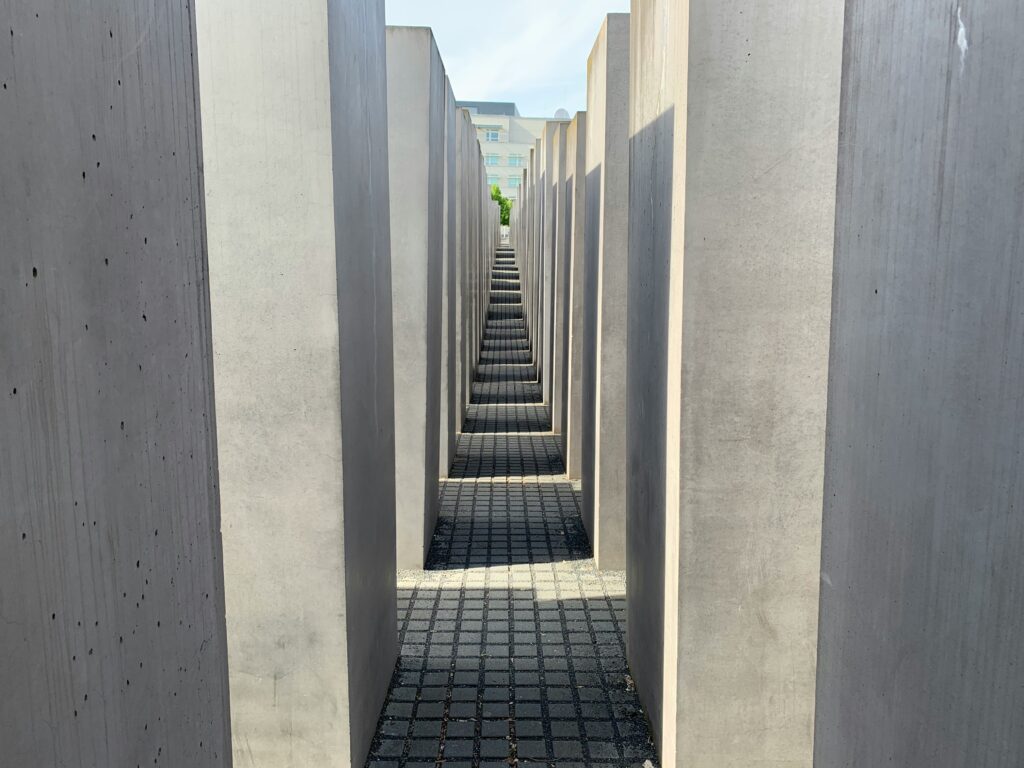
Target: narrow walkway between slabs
(512, 644)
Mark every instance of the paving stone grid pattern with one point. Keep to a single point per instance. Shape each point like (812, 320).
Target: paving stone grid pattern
(512, 644)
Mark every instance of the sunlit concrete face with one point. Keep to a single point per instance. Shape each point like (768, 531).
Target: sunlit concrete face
(112, 637)
(536, 258)
(731, 230)
(465, 136)
(474, 219)
(605, 241)
(575, 189)
(293, 107)
(558, 286)
(451, 412)
(920, 652)
(416, 129)
(553, 162)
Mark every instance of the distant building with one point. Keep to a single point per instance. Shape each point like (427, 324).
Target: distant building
(505, 140)
(490, 107)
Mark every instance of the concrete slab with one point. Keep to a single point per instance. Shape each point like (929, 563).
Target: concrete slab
(537, 258)
(732, 209)
(451, 413)
(920, 647)
(604, 463)
(559, 280)
(465, 137)
(553, 136)
(416, 120)
(296, 182)
(112, 634)
(575, 216)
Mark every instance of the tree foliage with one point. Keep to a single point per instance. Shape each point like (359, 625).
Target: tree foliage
(503, 202)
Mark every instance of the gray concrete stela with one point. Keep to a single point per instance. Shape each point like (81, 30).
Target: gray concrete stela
(512, 643)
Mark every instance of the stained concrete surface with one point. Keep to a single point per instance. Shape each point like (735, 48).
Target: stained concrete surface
(921, 644)
(297, 189)
(732, 205)
(112, 634)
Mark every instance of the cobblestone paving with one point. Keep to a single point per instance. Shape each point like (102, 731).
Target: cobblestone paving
(512, 644)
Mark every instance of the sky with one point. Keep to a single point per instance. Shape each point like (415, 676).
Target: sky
(532, 52)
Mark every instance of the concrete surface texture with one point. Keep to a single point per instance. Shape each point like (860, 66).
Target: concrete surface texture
(451, 416)
(605, 241)
(920, 657)
(112, 633)
(476, 226)
(416, 120)
(533, 286)
(733, 179)
(575, 210)
(463, 136)
(554, 135)
(522, 215)
(475, 193)
(529, 221)
(529, 251)
(558, 281)
(537, 259)
(538, 335)
(297, 194)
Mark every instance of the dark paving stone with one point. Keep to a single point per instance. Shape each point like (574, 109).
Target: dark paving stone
(512, 644)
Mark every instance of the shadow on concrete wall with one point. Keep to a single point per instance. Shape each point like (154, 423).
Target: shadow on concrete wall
(648, 309)
(591, 268)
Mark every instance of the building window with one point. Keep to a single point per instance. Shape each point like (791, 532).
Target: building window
(515, 161)
(491, 135)
(513, 182)
(492, 180)
(492, 160)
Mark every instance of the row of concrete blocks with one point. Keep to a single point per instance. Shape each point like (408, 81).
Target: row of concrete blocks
(775, 295)
(446, 226)
(313, 236)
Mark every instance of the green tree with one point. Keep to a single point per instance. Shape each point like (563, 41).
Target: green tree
(504, 202)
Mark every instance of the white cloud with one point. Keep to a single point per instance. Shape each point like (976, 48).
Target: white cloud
(532, 52)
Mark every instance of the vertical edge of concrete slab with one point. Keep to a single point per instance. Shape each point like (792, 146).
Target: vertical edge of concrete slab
(416, 117)
(363, 256)
(576, 187)
(658, 73)
(559, 250)
(451, 416)
(921, 630)
(537, 260)
(463, 129)
(301, 302)
(548, 182)
(727, 374)
(604, 490)
(107, 438)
